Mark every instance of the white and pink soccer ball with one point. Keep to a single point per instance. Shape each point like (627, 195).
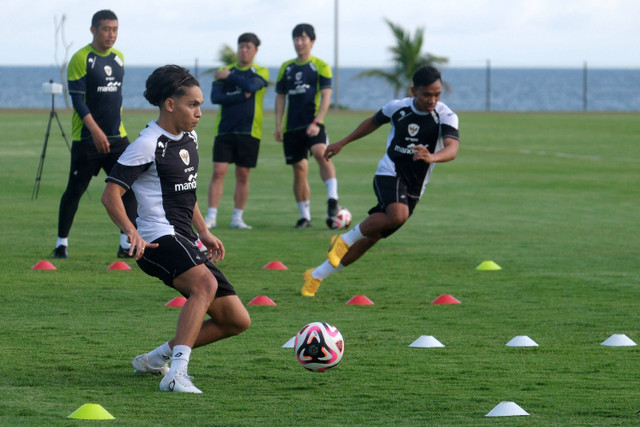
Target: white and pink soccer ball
(319, 346)
(341, 220)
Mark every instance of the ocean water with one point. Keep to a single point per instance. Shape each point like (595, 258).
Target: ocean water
(470, 89)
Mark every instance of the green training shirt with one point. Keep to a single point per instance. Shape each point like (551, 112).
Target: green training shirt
(98, 79)
(302, 83)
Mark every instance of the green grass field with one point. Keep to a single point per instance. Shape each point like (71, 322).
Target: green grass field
(551, 198)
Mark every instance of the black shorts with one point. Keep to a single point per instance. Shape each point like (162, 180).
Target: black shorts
(86, 161)
(236, 148)
(297, 144)
(390, 189)
(175, 255)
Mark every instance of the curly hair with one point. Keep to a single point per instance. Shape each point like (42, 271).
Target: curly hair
(168, 81)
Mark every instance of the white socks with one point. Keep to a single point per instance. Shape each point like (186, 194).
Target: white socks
(212, 212)
(124, 241)
(332, 188)
(160, 355)
(352, 236)
(180, 359)
(237, 215)
(305, 211)
(325, 270)
(332, 193)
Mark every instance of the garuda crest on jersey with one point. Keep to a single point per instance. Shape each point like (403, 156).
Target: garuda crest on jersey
(184, 155)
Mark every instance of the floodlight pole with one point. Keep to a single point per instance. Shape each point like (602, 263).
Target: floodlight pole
(585, 87)
(488, 86)
(336, 102)
(52, 114)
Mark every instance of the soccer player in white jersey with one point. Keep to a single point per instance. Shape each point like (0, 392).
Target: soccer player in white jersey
(424, 131)
(161, 167)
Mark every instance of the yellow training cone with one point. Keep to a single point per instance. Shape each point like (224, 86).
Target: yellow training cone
(488, 266)
(91, 411)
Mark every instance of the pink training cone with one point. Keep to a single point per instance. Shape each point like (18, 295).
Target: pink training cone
(445, 299)
(119, 265)
(275, 265)
(261, 300)
(176, 302)
(359, 300)
(44, 265)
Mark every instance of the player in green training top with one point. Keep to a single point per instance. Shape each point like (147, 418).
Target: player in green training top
(239, 90)
(305, 84)
(94, 76)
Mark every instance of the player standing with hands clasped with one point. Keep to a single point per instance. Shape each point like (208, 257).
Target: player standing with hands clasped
(305, 82)
(161, 167)
(94, 75)
(424, 131)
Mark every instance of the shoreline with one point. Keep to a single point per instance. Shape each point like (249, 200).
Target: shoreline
(9, 110)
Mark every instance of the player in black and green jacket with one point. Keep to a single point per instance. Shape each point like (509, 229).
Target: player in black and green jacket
(94, 75)
(239, 90)
(305, 84)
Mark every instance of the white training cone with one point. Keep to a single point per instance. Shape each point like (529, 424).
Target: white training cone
(290, 343)
(522, 341)
(506, 409)
(426, 341)
(619, 340)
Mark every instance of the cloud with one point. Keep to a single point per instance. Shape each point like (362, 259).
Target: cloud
(527, 33)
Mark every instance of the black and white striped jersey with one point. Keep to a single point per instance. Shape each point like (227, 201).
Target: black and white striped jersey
(410, 127)
(162, 169)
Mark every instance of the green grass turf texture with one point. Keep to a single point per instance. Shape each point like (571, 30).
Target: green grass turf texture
(552, 198)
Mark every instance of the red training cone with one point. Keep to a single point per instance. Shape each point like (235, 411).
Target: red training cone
(176, 302)
(445, 299)
(359, 300)
(44, 265)
(261, 300)
(119, 265)
(275, 265)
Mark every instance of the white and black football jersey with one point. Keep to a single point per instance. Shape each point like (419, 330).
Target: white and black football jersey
(410, 127)
(162, 169)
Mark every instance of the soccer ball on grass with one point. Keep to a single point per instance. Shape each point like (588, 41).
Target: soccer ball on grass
(319, 346)
(341, 220)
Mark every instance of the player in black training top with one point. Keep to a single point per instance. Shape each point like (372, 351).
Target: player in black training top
(95, 74)
(161, 167)
(424, 131)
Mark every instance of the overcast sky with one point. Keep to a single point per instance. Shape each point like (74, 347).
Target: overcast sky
(520, 33)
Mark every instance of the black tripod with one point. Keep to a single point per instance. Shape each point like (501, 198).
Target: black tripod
(52, 114)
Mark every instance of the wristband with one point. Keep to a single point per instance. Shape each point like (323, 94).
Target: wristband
(315, 122)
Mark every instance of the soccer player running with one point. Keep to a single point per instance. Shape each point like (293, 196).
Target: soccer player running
(94, 75)
(161, 166)
(239, 90)
(423, 132)
(305, 83)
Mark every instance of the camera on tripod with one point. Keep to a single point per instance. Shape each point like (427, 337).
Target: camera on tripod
(51, 88)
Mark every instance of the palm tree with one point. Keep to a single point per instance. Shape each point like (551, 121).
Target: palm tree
(407, 58)
(226, 56)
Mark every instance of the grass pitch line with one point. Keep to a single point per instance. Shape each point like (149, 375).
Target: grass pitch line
(543, 153)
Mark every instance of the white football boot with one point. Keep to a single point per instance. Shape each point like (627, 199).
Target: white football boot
(141, 366)
(181, 382)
